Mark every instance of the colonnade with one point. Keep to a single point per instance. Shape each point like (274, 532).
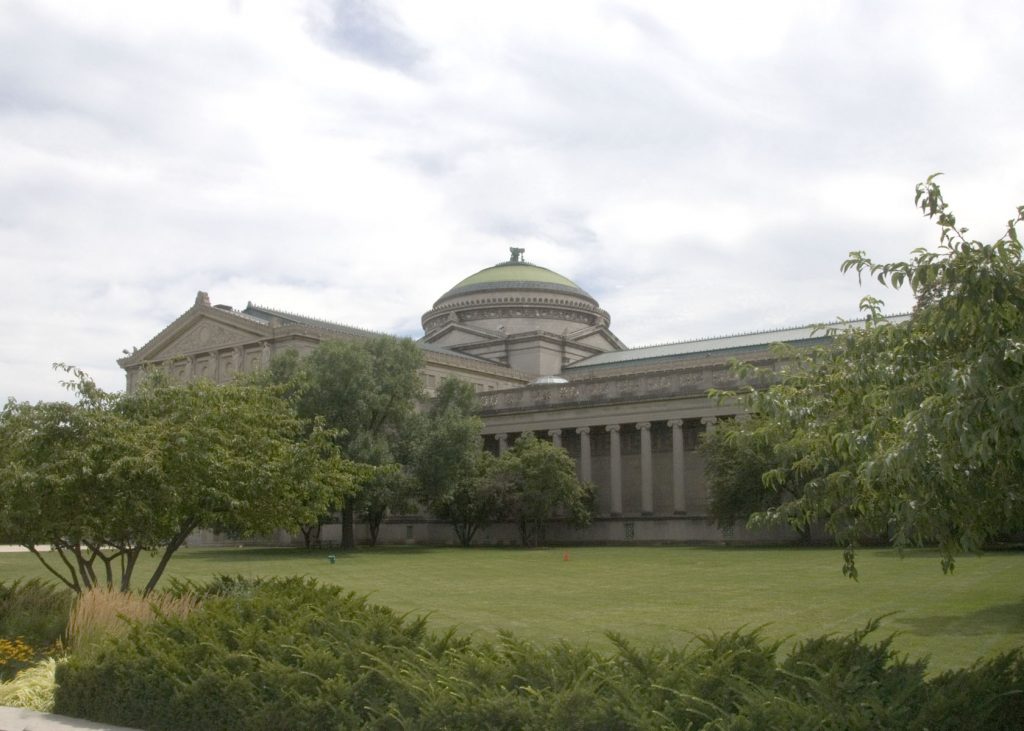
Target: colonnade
(614, 431)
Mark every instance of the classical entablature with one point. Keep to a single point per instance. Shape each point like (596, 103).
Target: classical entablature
(539, 351)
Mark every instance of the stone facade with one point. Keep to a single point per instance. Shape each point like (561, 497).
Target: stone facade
(540, 352)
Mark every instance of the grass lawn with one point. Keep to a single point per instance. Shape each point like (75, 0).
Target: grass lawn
(658, 594)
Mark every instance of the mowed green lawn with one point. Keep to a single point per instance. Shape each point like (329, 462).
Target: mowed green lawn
(662, 595)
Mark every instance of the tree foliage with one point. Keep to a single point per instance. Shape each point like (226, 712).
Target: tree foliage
(737, 454)
(454, 473)
(389, 488)
(113, 475)
(366, 391)
(913, 427)
(540, 482)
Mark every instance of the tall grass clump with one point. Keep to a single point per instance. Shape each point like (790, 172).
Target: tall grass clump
(100, 612)
(31, 688)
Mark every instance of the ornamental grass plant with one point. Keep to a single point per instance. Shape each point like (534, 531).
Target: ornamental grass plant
(31, 688)
(100, 612)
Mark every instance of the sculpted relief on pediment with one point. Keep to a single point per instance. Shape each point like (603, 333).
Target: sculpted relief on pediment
(204, 336)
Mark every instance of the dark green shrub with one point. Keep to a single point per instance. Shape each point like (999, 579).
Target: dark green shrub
(989, 694)
(289, 653)
(35, 610)
(33, 615)
(222, 585)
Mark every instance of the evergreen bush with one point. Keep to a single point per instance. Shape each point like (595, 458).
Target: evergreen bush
(289, 653)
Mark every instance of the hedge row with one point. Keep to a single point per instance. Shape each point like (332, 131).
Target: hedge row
(290, 653)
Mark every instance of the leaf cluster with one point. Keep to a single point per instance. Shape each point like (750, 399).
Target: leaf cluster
(113, 475)
(912, 428)
(539, 480)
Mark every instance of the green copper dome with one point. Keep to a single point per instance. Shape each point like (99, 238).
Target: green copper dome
(515, 274)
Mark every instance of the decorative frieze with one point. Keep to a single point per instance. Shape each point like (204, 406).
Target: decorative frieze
(617, 389)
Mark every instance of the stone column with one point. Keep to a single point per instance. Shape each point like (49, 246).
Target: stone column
(646, 481)
(678, 466)
(585, 472)
(615, 468)
(215, 362)
(709, 423)
(502, 443)
(556, 437)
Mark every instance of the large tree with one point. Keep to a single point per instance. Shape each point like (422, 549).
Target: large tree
(540, 482)
(914, 427)
(113, 475)
(737, 454)
(389, 488)
(454, 472)
(366, 391)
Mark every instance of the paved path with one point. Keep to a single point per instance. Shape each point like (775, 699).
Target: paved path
(22, 719)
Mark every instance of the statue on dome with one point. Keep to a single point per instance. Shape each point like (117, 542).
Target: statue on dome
(517, 255)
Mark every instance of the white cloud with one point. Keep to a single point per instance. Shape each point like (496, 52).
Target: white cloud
(700, 168)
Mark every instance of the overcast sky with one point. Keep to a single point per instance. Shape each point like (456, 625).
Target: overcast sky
(701, 168)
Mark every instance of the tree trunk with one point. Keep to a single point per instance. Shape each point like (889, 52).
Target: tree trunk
(465, 533)
(348, 528)
(171, 547)
(73, 583)
(84, 567)
(128, 567)
(307, 534)
(373, 520)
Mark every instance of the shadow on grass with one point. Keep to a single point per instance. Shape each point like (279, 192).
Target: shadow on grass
(999, 619)
(933, 553)
(249, 554)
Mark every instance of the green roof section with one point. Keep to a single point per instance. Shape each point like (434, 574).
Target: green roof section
(512, 272)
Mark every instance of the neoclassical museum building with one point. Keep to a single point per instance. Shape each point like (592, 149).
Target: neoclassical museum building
(542, 356)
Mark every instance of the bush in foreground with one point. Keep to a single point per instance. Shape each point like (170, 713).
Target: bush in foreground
(289, 653)
(33, 617)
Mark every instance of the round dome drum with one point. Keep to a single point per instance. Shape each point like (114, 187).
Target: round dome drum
(522, 315)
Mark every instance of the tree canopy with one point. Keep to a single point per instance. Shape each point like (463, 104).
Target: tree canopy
(113, 475)
(366, 391)
(737, 454)
(453, 471)
(912, 427)
(540, 482)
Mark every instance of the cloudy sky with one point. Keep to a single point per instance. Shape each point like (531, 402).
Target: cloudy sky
(701, 168)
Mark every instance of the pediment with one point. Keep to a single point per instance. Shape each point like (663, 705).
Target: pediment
(598, 337)
(203, 334)
(456, 333)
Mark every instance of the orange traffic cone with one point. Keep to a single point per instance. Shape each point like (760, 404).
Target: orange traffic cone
(565, 556)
